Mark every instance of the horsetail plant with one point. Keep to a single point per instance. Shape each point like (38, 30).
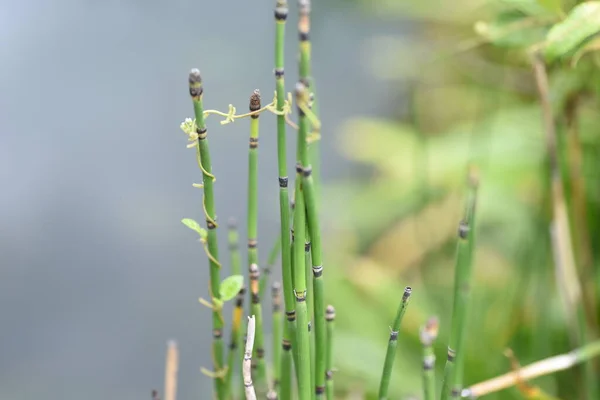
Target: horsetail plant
(259, 349)
(453, 371)
(392, 345)
(289, 328)
(267, 269)
(428, 335)
(247, 363)
(203, 156)
(330, 317)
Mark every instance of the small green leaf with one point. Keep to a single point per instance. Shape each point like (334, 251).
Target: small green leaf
(193, 225)
(568, 35)
(230, 287)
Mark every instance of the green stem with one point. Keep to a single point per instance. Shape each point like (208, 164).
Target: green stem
(196, 92)
(428, 335)
(260, 381)
(392, 345)
(453, 373)
(277, 334)
(316, 251)
(238, 311)
(289, 331)
(330, 317)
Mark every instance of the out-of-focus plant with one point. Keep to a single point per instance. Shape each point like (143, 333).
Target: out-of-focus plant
(475, 99)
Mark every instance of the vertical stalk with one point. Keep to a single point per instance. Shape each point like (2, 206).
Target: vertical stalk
(238, 310)
(203, 154)
(259, 349)
(316, 250)
(453, 371)
(277, 334)
(330, 317)
(428, 335)
(392, 344)
(253, 181)
(289, 331)
(565, 265)
(247, 363)
(171, 368)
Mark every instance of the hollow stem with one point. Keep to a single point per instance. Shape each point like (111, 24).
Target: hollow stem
(203, 153)
(277, 334)
(259, 349)
(392, 345)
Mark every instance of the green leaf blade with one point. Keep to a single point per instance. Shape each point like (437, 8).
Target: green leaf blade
(568, 35)
(195, 226)
(230, 287)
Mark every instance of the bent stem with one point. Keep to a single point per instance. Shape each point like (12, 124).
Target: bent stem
(392, 345)
(247, 363)
(203, 153)
(534, 370)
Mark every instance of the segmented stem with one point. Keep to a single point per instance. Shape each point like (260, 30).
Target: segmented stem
(238, 310)
(392, 345)
(247, 363)
(308, 191)
(453, 372)
(428, 335)
(196, 92)
(266, 272)
(330, 317)
(289, 331)
(259, 349)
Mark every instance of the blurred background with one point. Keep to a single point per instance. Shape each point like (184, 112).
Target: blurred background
(97, 271)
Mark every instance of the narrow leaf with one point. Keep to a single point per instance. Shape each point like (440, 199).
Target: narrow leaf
(568, 35)
(193, 225)
(230, 287)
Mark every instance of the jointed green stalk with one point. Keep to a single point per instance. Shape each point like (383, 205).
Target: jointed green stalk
(392, 345)
(330, 317)
(203, 153)
(260, 379)
(253, 181)
(428, 335)
(316, 250)
(238, 311)
(289, 331)
(277, 334)
(453, 371)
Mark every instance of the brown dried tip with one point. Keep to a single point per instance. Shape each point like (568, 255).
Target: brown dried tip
(255, 100)
(195, 81)
(407, 293)
(330, 313)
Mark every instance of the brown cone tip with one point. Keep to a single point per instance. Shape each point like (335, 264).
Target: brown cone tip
(195, 76)
(255, 100)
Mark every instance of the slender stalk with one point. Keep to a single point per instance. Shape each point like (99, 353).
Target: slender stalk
(235, 342)
(171, 367)
(259, 350)
(428, 335)
(247, 363)
(238, 311)
(316, 250)
(277, 334)
(462, 278)
(330, 317)
(203, 154)
(253, 181)
(266, 272)
(561, 236)
(534, 370)
(289, 331)
(392, 345)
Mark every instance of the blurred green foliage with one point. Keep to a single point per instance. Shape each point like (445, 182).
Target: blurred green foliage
(473, 100)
